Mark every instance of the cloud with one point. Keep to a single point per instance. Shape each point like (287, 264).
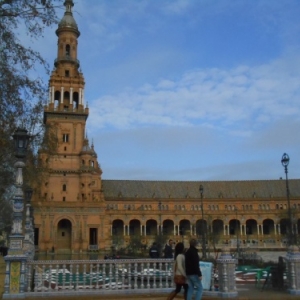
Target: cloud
(244, 97)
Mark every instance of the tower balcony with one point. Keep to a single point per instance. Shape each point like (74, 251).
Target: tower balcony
(66, 59)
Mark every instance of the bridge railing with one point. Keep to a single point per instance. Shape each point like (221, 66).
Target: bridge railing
(98, 276)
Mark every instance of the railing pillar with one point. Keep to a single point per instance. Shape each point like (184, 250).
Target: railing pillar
(293, 270)
(226, 271)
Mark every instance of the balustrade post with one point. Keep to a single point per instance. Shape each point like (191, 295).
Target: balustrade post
(226, 271)
(293, 270)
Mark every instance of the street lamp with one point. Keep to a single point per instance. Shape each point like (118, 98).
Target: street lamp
(203, 228)
(29, 231)
(285, 162)
(237, 234)
(16, 258)
(159, 207)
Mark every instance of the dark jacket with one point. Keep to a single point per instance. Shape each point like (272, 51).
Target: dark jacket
(192, 260)
(168, 251)
(153, 252)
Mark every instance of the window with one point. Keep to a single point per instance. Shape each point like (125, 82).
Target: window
(64, 187)
(67, 73)
(67, 50)
(64, 199)
(65, 138)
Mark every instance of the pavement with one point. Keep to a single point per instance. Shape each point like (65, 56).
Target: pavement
(245, 292)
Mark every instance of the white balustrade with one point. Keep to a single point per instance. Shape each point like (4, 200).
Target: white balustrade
(91, 276)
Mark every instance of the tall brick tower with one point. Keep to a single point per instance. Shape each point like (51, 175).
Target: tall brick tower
(69, 203)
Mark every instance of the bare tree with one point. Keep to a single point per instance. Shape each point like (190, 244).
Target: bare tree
(22, 95)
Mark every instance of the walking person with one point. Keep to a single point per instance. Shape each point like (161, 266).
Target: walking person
(168, 251)
(153, 251)
(193, 272)
(179, 270)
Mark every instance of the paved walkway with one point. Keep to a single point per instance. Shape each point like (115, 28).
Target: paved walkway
(245, 292)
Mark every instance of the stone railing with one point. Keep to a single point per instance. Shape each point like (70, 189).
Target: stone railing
(50, 278)
(99, 276)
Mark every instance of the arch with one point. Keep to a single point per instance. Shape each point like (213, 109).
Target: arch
(234, 227)
(56, 99)
(184, 227)
(268, 226)
(201, 226)
(217, 226)
(168, 227)
(64, 234)
(284, 226)
(75, 100)
(151, 227)
(134, 227)
(117, 227)
(251, 227)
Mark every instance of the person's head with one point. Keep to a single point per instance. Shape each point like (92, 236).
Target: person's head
(170, 242)
(179, 249)
(193, 242)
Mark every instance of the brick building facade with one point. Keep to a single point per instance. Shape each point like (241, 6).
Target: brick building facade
(76, 210)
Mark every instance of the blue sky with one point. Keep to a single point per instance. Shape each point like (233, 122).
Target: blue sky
(190, 89)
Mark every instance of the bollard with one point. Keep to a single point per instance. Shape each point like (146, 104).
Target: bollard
(293, 270)
(226, 273)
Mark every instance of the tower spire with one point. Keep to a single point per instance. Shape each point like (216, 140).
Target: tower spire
(66, 84)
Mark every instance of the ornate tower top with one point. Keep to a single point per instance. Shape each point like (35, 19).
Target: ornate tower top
(68, 20)
(66, 84)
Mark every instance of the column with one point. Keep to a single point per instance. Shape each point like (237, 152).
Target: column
(80, 89)
(82, 96)
(141, 228)
(224, 229)
(293, 270)
(62, 95)
(71, 96)
(174, 229)
(226, 270)
(124, 229)
(52, 94)
(258, 230)
(275, 229)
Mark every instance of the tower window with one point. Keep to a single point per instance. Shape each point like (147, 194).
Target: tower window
(65, 138)
(65, 148)
(64, 199)
(68, 50)
(64, 187)
(67, 73)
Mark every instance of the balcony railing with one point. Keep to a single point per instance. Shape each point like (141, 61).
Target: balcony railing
(90, 276)
(93, 247)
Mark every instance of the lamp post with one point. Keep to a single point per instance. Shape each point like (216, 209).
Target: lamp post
(159, 208)
(29, 231)
(237, 234)
(16, 258)
(285, 162)
(21, 139)
(203, 227)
